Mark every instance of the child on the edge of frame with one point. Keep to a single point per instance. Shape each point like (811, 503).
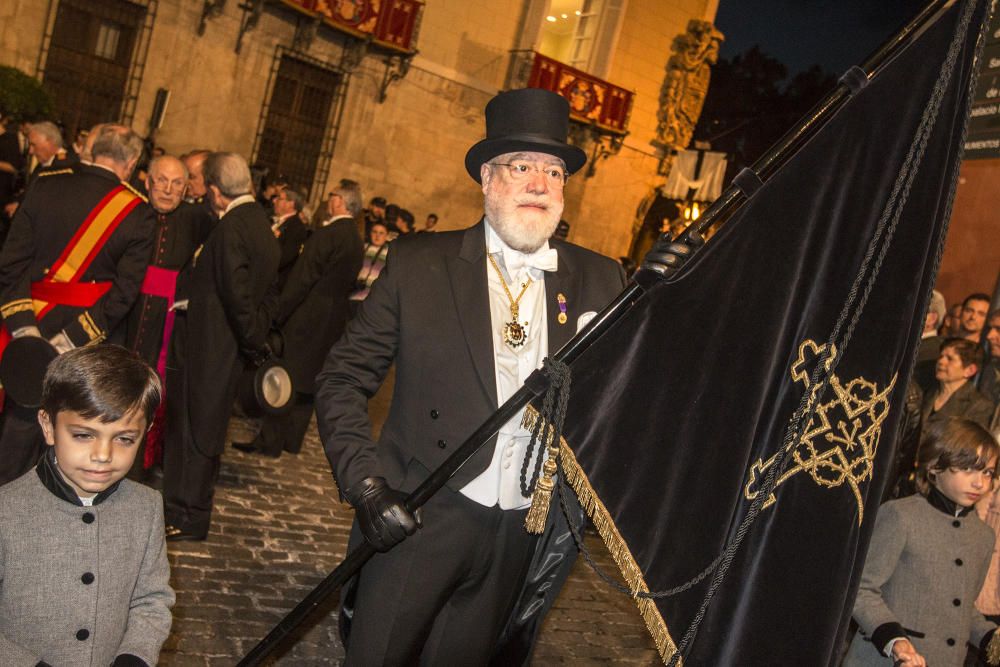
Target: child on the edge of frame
(928, 558)
(84, 577)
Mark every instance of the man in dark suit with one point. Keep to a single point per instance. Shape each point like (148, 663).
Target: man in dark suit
(465, 316)
(72, 267)
(289, 229)
(930, 343)
(313, 311)
(233, 299)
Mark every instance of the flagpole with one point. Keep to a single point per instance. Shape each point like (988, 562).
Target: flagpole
(649, 274)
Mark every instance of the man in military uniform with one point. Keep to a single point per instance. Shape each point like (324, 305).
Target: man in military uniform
(180, 229)
(71, 267)
(233, 300)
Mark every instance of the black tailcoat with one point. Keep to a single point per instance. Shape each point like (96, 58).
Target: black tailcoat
(233, 299)
(429, 313)
(291, 235)
(313, 308)
(54, 208)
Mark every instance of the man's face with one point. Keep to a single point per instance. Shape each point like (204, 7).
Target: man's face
(993, 336)
(974, 316)
(431, 221)
(90, 454)
(378, 211)
(166, 183)
(378, 234)
(523, 203)
(196, 178)
(41, 147)
(950, 367)
(282, 204)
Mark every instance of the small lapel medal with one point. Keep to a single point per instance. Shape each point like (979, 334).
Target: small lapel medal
(561, 317)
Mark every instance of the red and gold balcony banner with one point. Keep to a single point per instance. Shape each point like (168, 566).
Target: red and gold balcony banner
(390, 23)
(590, 99)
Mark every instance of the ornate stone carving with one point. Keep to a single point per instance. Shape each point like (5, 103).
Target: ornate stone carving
(686, 84)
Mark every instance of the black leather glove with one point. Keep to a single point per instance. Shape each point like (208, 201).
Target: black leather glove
(259, 357)
(667, 256)
(384, 520)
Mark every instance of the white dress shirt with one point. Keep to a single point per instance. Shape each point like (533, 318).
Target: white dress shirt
(500, 483)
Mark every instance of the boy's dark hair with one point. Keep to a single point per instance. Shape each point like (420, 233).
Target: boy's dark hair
(967, 351)
(953, 443)
(103, 382)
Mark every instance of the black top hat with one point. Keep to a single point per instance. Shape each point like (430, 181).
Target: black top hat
(530, 120)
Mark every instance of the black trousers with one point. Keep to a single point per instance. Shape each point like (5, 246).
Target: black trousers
(21, 441)
(188, 474)
(443, 595)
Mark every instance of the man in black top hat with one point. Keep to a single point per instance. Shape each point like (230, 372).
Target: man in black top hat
(465, 316)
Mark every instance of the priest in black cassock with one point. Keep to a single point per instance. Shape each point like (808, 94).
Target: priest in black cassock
(181, 228)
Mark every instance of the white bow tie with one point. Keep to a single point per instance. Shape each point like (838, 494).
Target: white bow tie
(540, 260)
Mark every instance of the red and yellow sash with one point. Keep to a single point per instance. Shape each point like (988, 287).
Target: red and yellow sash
(81, 250)
(61, 285)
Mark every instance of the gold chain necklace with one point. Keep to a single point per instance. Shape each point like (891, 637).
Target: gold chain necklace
(513, 332)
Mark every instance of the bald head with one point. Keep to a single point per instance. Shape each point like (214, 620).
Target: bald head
(166, 182)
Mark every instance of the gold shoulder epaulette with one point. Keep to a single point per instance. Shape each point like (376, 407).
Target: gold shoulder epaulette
(57, 171)
(135, 192)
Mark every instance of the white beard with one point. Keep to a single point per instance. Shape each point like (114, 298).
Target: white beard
(523, 231)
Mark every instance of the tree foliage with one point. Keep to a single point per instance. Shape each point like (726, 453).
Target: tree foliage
(750, 104)
(22, 97)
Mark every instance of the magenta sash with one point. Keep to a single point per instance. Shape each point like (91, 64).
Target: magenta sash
(162, 283)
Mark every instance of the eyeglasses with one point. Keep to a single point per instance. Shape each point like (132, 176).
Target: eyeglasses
(521, 170)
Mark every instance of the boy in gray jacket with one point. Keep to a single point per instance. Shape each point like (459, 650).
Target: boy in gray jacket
(84, 578)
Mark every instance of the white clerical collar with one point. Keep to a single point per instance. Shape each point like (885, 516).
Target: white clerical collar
(239, 201)
(502, 252)
(336, 218)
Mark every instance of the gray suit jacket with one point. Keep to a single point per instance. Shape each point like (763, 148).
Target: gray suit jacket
(429, 313)
(48, 546)
(923, 572)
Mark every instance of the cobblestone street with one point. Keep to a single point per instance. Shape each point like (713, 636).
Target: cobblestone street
(279, 528)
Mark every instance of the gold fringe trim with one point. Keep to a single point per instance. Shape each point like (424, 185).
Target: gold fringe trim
(534, 522)
(616, 545)
(993, 650)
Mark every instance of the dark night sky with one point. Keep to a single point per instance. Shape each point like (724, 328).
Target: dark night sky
(833, 33)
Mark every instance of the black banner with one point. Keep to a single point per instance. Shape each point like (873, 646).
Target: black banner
(731, 438)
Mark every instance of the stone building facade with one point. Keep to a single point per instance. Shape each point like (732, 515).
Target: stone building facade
(397, 120)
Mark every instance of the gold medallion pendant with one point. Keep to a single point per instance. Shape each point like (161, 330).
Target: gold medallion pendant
(514, 334)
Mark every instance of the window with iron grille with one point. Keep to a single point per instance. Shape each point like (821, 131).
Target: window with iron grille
(89, 57)
(296, 121)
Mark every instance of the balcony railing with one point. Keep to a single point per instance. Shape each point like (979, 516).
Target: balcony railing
(591, 100)
(390, 23)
